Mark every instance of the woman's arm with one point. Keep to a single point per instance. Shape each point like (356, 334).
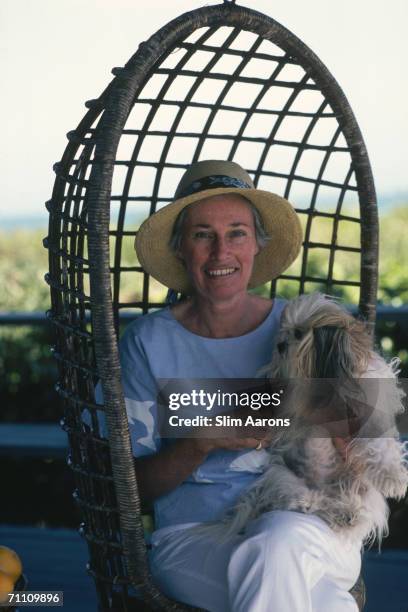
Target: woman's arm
(161, 473)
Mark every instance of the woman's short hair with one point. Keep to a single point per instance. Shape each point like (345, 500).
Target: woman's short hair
(177, 231)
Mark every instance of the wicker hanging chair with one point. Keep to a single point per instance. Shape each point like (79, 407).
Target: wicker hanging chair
(222, 81)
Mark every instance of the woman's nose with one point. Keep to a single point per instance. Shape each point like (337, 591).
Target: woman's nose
(219, 247)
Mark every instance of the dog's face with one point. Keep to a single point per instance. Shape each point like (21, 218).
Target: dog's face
(320, 339)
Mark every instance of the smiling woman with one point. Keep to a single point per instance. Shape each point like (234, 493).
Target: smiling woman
(219, 237)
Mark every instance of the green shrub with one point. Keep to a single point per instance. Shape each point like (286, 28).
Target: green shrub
(28, 373)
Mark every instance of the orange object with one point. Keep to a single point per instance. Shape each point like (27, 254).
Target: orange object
(6, 586)
(10, 563)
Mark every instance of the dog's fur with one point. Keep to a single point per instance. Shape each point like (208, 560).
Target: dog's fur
(306, 473)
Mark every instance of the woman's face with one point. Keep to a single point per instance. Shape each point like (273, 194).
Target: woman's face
(219, 245)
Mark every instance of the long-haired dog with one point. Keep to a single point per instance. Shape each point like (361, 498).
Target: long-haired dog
(306, 473)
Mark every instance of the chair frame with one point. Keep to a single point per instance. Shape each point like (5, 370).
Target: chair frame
(71, 323)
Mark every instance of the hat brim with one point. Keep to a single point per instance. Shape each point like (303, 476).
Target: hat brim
(280, 221)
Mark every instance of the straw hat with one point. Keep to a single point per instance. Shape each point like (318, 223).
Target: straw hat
(205, 179)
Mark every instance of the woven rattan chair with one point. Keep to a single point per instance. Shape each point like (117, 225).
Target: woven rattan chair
(223, 81)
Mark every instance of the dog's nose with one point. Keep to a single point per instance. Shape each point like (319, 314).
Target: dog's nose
(281, 347)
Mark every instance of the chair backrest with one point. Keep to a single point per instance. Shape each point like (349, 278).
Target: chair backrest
(219, 82)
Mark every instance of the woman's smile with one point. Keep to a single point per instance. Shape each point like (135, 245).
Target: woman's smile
(220, 272)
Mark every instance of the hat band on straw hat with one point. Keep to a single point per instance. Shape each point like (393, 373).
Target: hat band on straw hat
(212, 182)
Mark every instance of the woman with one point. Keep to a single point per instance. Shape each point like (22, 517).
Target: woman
(218, 238)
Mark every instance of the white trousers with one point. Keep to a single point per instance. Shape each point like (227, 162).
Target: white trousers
(285, 562)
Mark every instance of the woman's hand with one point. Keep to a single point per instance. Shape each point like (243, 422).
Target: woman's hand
(234, 443)
(234, 437)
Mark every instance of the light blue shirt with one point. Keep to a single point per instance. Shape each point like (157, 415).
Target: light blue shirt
(157, 346)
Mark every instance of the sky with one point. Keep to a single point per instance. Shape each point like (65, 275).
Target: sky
(56, 54)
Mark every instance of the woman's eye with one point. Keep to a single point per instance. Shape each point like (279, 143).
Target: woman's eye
(238, 233)
(202, 235)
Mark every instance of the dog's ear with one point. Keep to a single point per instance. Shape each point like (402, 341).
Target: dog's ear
(333, 352)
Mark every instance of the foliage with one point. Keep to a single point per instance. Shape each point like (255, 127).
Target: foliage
(393, 260)
(27, 376)
(393, 268)
(28, 373)
(23, 263)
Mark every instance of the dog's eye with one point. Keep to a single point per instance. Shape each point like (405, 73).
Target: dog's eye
(298, 334)
(281, 346)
